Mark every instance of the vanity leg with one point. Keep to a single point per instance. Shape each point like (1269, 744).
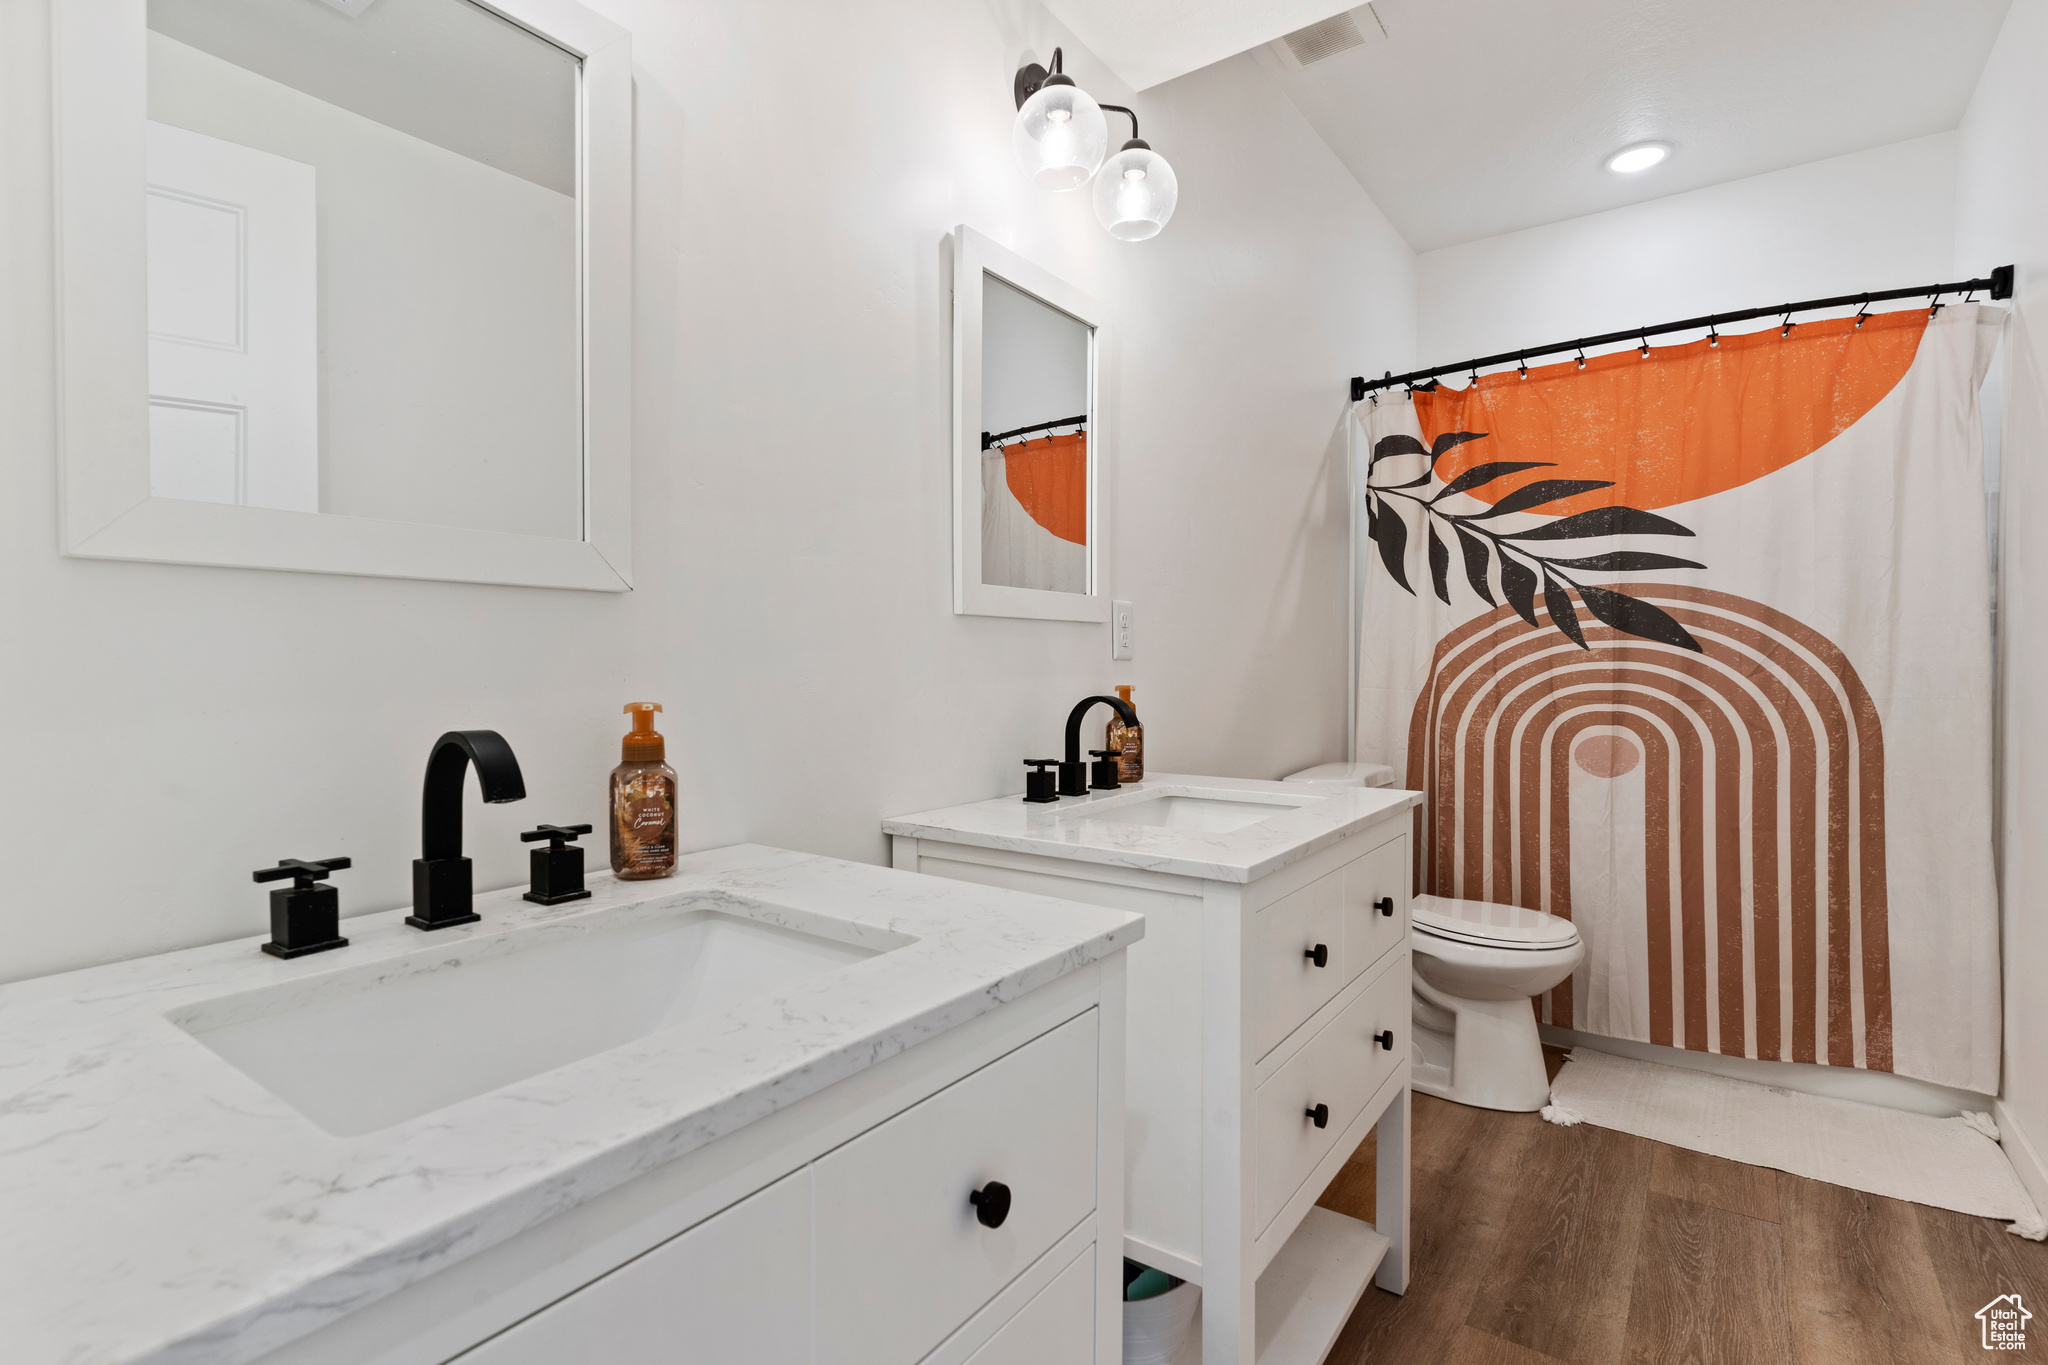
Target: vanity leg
(903, 852)
(1390, 1213)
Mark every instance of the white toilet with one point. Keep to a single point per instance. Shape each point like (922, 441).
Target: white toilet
(1345, 775)
(1476, 965)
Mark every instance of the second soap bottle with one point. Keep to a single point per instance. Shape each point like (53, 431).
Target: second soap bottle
(643, 801)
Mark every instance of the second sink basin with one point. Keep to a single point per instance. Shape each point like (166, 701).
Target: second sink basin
(365, 1048)
(1195, 811)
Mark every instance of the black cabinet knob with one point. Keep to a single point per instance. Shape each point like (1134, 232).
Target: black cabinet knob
(991, 1203)
(1385, 1040)
(1321, 1115)
(1385, 905)
(1320, 954)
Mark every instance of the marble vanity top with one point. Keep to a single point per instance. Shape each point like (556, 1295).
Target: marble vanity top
(1084, 828)
(161, 1206)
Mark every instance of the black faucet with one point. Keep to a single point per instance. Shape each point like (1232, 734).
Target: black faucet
(440, 876)
(1073, 772)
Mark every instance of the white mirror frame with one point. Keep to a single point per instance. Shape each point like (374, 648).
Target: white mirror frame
(105, 508)
(973, 256)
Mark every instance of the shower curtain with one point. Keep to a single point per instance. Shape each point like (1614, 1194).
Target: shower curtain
(1691, 645)
(1034, 514)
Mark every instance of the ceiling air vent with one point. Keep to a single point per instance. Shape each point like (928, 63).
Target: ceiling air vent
(1338, 33)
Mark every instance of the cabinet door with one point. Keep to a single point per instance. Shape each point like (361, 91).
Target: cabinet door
(1381, 875)
(1056, 1328)
(902, 1258)
(737, 1287)
(1287, 986)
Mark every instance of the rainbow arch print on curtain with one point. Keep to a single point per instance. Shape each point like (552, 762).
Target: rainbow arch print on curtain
(1757, 887)
(1692, 647)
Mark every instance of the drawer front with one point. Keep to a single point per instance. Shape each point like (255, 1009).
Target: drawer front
(1382, 874)
(901, 1258)
(1288, 987)
(735, 1287)
(1056, 1328)
(1341, 1067)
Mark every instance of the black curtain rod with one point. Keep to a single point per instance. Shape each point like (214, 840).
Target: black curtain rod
(1998, 284)
(990, 438)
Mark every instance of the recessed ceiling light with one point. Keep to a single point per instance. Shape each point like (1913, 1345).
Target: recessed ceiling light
(1640, 157)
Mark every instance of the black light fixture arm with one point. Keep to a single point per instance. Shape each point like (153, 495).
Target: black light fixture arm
(1998, 284)
(1132, 115)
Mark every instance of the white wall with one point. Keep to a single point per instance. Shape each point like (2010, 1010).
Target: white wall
(164, 730)
(2002, 216)
(1880, 219)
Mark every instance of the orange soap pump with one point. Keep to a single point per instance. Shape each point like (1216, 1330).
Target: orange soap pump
(643, 801)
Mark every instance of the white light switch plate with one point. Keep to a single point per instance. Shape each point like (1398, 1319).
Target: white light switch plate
(1119, 630)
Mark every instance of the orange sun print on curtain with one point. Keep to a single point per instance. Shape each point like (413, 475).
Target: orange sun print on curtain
(1685, 423)
(1049, 478)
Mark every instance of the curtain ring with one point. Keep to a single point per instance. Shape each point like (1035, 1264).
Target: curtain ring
(1582, 353)
(1524, 366)
(1863, 312)
(1787, 320)
(1475, 376)
(1646, 343)
(1934, 303)
(1713, 334)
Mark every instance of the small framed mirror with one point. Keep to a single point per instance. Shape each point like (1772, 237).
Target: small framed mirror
(344, 286)
(1027, 450)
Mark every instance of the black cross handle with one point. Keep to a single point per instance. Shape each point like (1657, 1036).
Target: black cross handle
(302, 873)
(558, 836)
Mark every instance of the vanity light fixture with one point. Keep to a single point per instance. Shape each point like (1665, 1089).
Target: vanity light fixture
(1061, 135)
(1639, 157)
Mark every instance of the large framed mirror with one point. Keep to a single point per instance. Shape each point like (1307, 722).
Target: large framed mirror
(1027, 447)
(344, 287)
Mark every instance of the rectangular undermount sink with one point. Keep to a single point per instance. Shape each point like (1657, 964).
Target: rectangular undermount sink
(1198, 812)
(365, 1048)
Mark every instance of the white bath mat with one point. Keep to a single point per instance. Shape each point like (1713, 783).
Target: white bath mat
(1949, 1163)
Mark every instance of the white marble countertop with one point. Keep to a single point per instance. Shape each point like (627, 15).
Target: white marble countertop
(161, 1206)
(1308, 818)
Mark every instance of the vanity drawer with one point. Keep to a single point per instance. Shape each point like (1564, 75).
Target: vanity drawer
(1341, 1066)
(1055, 1328)
(1287, 987)
(1369, 935)
(901, 1259)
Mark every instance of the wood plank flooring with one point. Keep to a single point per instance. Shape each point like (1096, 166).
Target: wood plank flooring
(1541, 1245)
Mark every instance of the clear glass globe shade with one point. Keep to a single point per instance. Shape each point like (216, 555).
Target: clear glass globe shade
(1135, 194)
(1060, 137)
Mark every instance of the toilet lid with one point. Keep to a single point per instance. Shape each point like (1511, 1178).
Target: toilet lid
(1495, 926)
(1346, 775)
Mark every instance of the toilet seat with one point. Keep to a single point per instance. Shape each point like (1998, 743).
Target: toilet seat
(1487, 925)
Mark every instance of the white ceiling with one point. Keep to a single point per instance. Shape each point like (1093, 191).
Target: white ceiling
(1149, 41)
(1476, 117)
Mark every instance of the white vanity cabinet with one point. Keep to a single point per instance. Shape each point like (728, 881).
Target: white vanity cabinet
(863, 1249)
(1268, 1025)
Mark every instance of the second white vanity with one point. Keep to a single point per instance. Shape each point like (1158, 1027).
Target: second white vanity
(1268, 1026)
(778, 1109)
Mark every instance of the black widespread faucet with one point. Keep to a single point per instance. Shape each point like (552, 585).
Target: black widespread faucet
(441, 893)
(1073, 772)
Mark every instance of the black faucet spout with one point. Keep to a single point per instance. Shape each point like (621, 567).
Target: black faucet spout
(1073, 772)
(441, 886)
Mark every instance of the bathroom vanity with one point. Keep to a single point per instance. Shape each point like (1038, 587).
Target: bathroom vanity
(1268, 1026)
(778, 1109)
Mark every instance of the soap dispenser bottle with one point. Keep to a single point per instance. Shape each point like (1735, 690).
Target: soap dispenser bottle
(643, 804)
(1127, 742)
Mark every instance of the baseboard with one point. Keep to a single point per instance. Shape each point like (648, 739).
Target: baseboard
(2022, 1153)
(1809, 1078)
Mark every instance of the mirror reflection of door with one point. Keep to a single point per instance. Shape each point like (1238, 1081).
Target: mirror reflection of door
(233, 350)
(1034, 459)
(364, 262)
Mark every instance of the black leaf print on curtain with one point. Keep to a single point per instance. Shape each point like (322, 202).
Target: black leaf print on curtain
(1522, 567)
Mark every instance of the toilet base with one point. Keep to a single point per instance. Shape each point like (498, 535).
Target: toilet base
(1494, 1056)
